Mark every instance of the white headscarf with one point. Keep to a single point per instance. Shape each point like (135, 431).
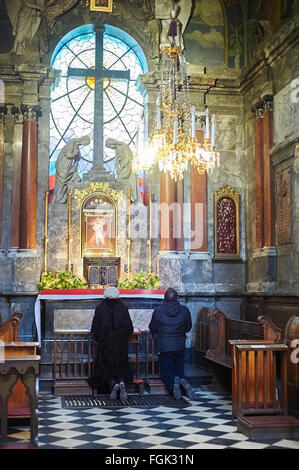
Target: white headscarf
(111, 292)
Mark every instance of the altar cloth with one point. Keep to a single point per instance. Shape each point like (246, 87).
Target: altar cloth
(79, 294)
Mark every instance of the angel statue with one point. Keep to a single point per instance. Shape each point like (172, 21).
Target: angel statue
(165, 11)
(28, 17)
(123, 163)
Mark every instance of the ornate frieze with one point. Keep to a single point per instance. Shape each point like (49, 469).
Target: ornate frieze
(97, 187)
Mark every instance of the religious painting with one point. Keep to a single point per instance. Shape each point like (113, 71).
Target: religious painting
(226, 220)
(98, 226)
(101, 5)
(204, 37)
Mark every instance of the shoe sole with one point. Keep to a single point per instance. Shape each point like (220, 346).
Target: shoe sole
(177, 394)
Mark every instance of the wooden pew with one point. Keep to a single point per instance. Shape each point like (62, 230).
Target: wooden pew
(18, 404)
(219, 330)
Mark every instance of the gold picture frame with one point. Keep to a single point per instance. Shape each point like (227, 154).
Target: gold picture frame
(101, 5)
(98, 219)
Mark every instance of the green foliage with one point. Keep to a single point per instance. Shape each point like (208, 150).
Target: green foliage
(60, 280)
(141, 280)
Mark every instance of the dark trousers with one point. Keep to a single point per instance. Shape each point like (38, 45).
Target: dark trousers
(171, 366)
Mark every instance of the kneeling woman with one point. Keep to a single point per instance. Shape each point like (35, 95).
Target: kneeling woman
(111, 328)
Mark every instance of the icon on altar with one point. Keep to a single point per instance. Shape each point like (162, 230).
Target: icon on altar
(99, 232)
(100, 228)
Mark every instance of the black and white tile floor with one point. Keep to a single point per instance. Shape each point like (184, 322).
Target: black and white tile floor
(206, 423)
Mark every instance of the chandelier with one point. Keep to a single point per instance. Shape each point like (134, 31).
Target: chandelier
(173, 143)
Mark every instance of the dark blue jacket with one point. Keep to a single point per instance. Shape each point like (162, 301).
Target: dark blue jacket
(170, 323)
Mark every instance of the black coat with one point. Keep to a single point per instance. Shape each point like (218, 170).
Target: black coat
(111, 327)
(169, 324)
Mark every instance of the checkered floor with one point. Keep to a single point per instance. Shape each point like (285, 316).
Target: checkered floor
(206, 423)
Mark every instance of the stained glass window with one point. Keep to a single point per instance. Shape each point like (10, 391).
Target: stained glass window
(72, 98)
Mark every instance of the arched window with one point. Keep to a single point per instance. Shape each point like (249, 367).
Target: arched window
(95, 93)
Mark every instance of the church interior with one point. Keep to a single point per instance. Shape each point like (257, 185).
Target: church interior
(147, 144)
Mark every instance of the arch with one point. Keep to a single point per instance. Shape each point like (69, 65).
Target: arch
(74, 105)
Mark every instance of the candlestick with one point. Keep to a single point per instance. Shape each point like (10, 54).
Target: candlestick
(69, 240)
(213, 137)
(149, 241)
(207, 132)
(193, 123)
(46, 240)
(129, 231)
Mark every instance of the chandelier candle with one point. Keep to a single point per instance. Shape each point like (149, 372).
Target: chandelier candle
(213, 136)
(193, 123)
(158, 103)
(207, 132)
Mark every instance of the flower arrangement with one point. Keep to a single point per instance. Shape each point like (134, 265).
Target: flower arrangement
(141, 280)
(57, 279)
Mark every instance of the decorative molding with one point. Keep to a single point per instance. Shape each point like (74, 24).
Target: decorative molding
(97, 188)
(227, 190)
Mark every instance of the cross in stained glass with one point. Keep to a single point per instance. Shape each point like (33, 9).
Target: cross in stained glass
(99, 73)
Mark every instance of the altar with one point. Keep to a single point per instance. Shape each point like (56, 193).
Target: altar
(71, 311)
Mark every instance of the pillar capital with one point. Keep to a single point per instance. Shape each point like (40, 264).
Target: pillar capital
(30, 113)
(268, 100)
(262, 105)
(258, 108)
(3, 112)
(18, 115)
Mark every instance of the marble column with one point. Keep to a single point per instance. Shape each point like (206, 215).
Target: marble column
(29, 178)
(179, 240)
(16, 178)
(199, 200)
(268, 187)
(259, 175)
(167, 203)
(3, 111)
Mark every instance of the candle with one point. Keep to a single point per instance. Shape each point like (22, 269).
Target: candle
(46, 212)
(193, 123)
(46, 232)
(213, 137)
(150, 213)
(207, 132)
(175, 130)
(158, 103)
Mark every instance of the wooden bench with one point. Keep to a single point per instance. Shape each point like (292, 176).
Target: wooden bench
(73, 355)
(216, 332)
(18, 404)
